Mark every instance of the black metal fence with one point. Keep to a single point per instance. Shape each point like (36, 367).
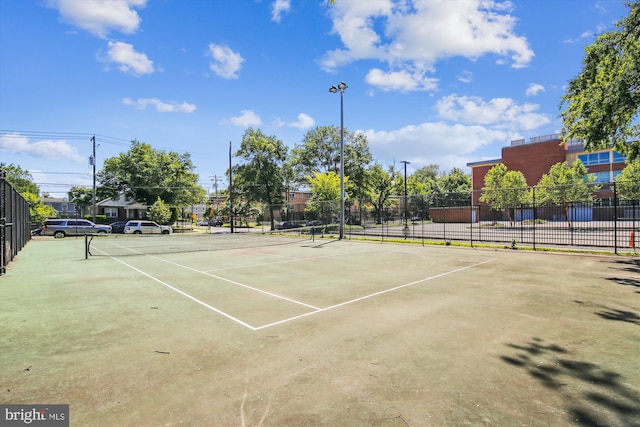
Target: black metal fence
(14, 222)
(602, 222)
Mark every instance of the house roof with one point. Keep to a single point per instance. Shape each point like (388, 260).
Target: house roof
(121, 202)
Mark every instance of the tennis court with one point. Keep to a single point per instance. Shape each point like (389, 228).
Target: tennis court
(286, 330)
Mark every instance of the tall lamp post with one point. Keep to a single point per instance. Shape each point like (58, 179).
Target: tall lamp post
(406, 222)
(333, 89)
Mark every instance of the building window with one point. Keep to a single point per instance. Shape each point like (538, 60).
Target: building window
(601, 176)
(591, 159)
(618, 158)
(111, 212)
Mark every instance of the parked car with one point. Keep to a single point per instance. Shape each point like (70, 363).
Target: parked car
(353, 221)
(72, 227)
(146, 227)
(287, 224)
(314, 222)
(118, 227)
(216, 222)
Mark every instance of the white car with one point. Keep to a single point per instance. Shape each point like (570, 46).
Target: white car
(146, 227)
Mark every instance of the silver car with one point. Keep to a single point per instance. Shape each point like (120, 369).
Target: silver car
(146, 227)
(73, 227)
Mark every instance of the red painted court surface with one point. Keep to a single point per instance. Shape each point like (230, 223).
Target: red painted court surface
(170, 330)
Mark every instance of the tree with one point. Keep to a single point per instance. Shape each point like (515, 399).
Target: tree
(423, 181)
(504, 189)
(38, 211)
(454, 188)
(320, 152)
(601, 104)
(260, 176)
(566, 185)
(380, 185)
(628, 182)
(325, 199)
(81, 197)
(159, 212)
(21, 180)
(146, 174)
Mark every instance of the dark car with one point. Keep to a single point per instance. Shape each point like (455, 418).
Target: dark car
(353, 221)
(216, 222)
(118, 227)
(314, 222)
(287, 224)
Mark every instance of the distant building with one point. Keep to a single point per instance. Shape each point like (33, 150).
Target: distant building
(122, 208)
(535, 158)
(63, 206)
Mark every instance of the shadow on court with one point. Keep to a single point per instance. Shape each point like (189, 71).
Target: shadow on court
(321, 333)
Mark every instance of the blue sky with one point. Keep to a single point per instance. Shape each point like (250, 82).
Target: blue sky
(430, 82)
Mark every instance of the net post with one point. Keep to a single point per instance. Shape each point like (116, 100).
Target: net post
(86, 246)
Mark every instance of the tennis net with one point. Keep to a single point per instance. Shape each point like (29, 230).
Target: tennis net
(146, 244)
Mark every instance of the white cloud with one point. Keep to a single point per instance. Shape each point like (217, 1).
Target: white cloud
(129, 61)
(502, 113)
(304, 122)
(534, 89)
(403, 81)
(433, 143)
(465, 76)
(160, 106)
(280, 6)
(225, 62)
(411, 37)
(46, 149)
(246, 119)
(100, 16)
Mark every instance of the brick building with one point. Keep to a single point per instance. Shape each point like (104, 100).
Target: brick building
(535, 158)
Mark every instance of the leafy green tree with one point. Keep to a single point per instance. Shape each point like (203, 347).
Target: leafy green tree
(454, 188)
(628, 182)
(19, 179)
(38, 211)
(320, 152)
(260, 176)
(504, 189)
(424, 180)
(82, 197)
(159, 212)
(146, 174)
(565, 185)
(603, 101)
(325, 199)
(380, 186)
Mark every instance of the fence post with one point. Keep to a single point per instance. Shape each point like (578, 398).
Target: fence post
(535, 215)
(615, 219)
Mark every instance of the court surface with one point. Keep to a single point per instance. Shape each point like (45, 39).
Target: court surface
(300, 332)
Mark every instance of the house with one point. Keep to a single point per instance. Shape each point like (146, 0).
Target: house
(121, 208)
(63, 206)
(535, 158)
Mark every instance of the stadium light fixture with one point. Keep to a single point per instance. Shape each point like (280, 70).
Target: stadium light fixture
(333, 89)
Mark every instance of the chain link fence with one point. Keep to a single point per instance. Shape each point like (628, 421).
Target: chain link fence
(14, 223)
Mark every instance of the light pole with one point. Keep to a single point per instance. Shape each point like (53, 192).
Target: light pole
(341, 87)
(406, 223)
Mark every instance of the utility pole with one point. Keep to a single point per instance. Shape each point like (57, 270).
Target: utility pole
(215, 179)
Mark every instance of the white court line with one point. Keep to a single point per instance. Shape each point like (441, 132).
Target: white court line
(315, 309)
(224, 279)
(228, 316)
(372, 295)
